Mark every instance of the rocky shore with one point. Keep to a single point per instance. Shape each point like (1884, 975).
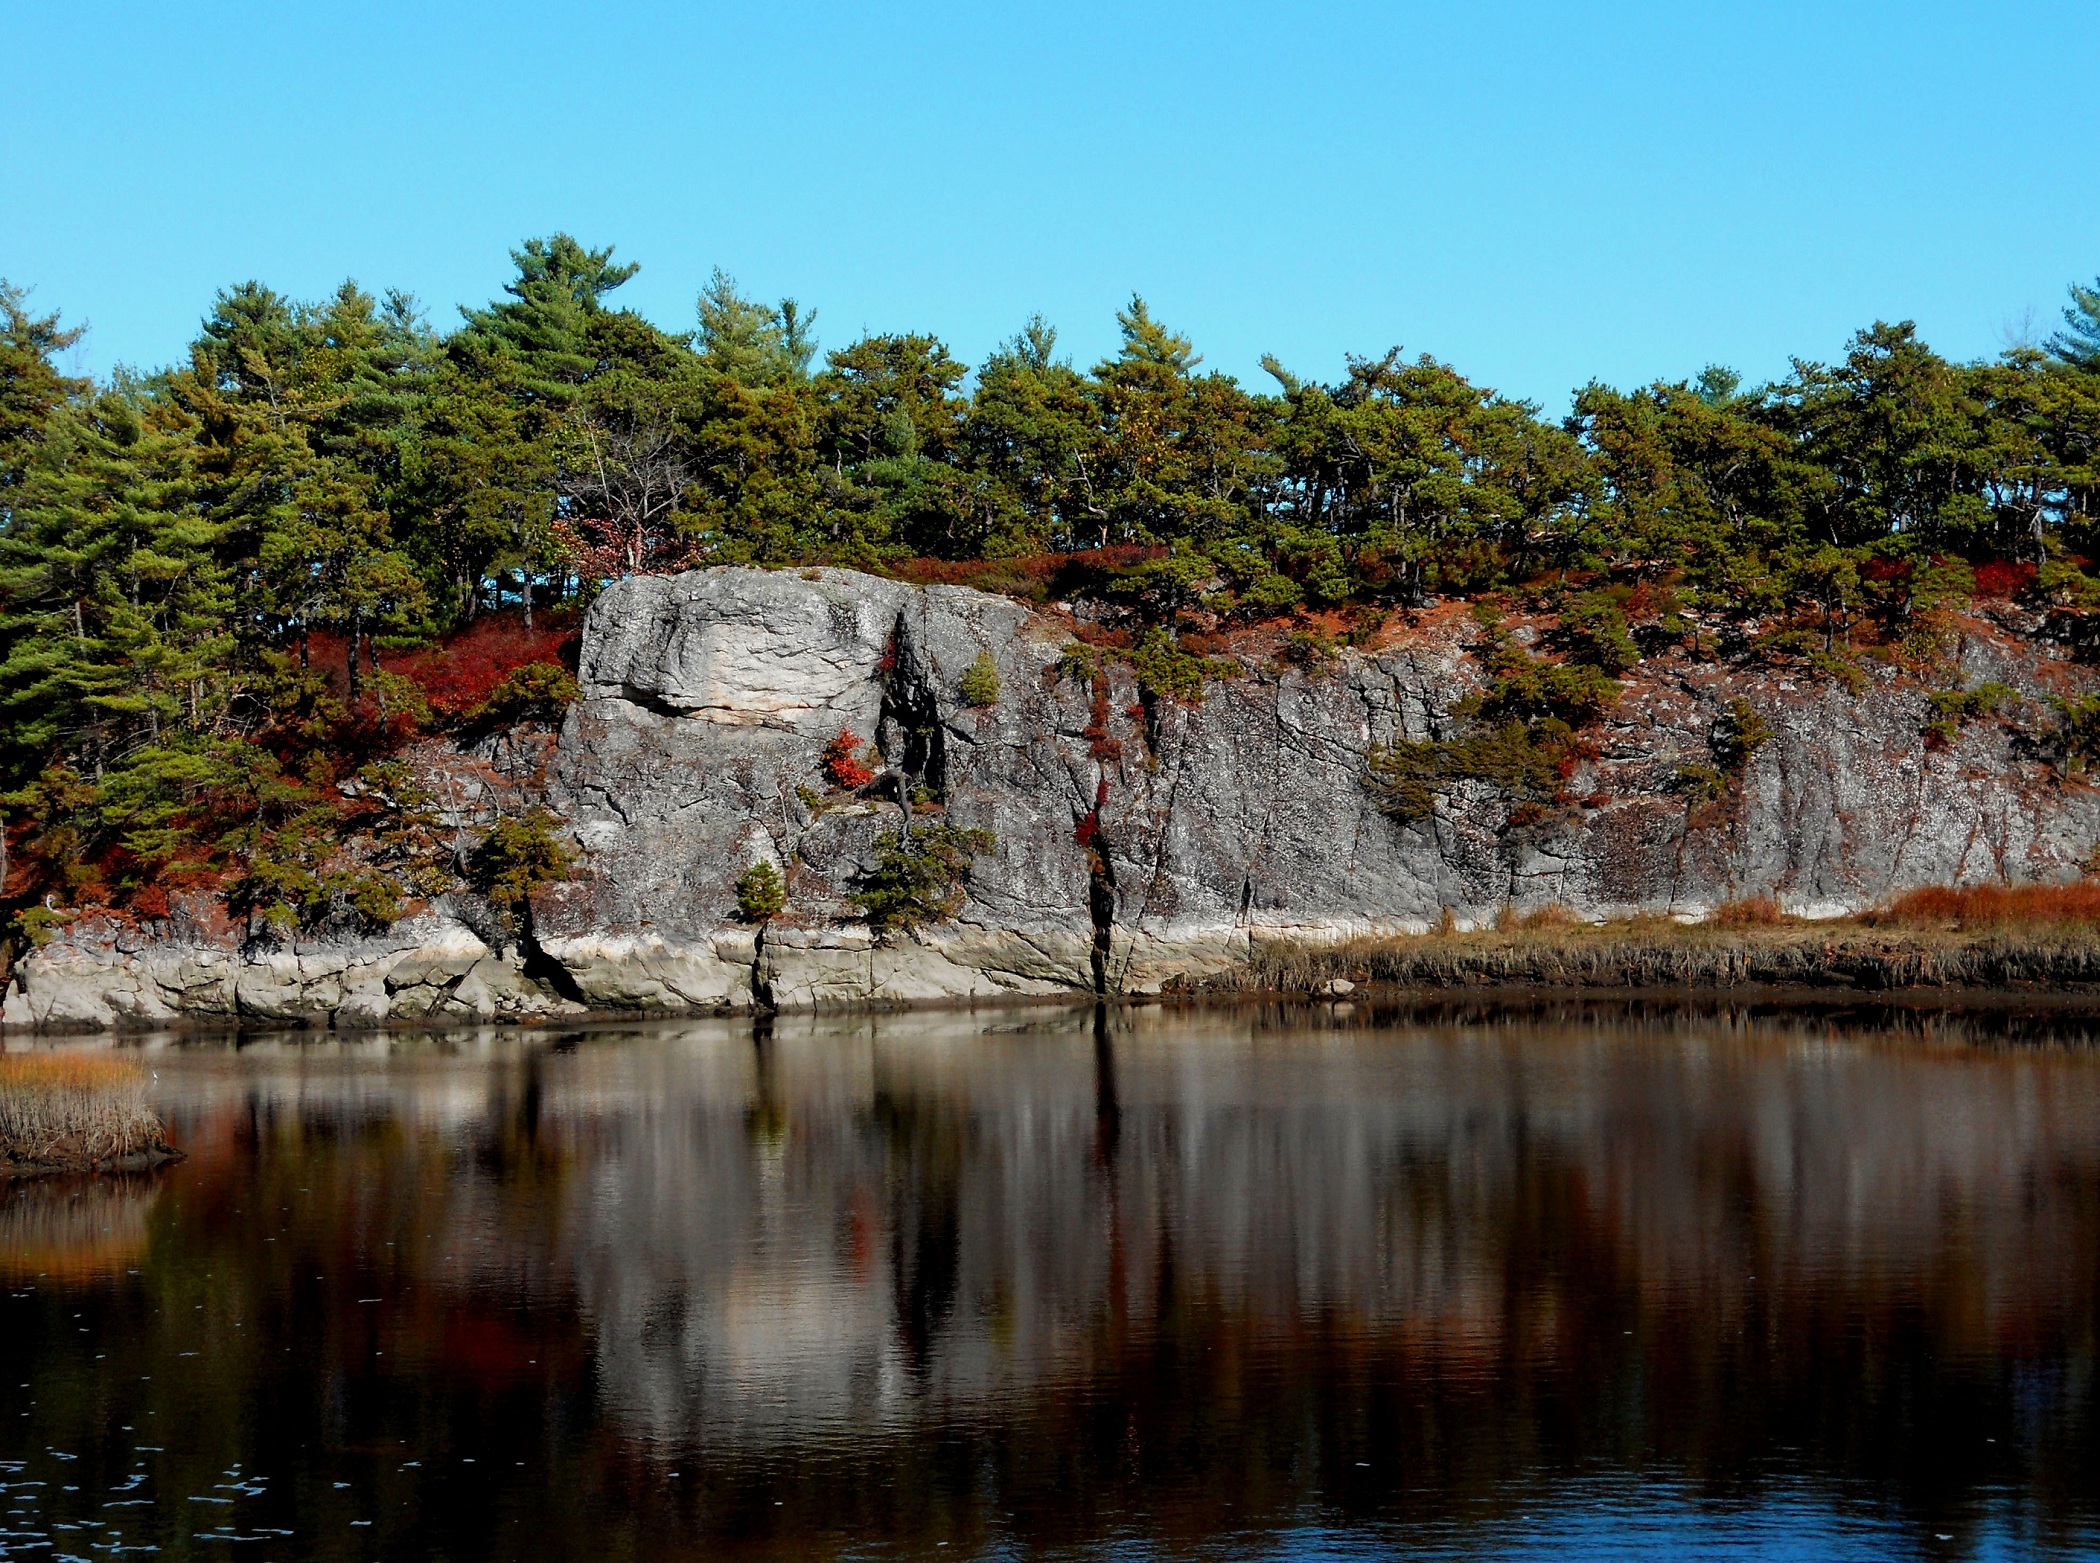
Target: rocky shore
(1141, 844)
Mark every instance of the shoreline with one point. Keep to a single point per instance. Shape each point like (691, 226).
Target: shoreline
(13, 1169)
(1791, 964)
(1838, 957)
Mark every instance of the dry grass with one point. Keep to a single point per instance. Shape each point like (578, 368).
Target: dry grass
(2043, 937)
(1996, 907)
(74, 1110)
(1757, 911)
(1541, 919)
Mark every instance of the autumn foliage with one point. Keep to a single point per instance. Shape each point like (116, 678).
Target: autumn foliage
(459, 673)
(1977, 907)
(843, 764)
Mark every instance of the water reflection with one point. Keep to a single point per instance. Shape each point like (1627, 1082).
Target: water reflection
(1191, 1282)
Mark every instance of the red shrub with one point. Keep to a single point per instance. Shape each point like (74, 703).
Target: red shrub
(1750, 912)
(458, 674)
(1099, 744)
(1027, 576)
(842, 763)
(2004, 579)
(1101, 635)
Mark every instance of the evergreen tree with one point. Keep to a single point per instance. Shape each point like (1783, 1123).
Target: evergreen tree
(545, 323)
(2078, 344)
(31, 388)
(754, 344)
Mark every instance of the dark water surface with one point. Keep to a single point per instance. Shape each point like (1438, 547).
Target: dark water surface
(1237, 1283)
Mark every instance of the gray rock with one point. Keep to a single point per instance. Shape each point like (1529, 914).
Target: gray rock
(1138, 841)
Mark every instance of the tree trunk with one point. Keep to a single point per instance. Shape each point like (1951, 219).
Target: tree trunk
(357, 630)
(525, 591)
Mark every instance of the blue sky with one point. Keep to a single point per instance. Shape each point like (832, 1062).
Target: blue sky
(1538, 194)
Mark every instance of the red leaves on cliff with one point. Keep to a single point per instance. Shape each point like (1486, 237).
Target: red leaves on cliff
(1099, 745)
(842, 762)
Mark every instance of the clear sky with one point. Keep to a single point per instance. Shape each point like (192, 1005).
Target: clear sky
(1540, 194)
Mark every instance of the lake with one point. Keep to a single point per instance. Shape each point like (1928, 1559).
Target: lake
(1332, 1282)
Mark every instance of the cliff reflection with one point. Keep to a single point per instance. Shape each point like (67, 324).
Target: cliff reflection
(1052, 1276)
(1706, 1248)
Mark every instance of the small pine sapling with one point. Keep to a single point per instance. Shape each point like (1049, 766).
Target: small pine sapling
(980, 682)
(760, 894)
(920, 880)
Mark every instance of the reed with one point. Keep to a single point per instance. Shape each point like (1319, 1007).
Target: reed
(75, 1110)
(2043, 938)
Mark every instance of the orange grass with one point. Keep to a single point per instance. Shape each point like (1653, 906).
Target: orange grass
(1995, 906)
(1757, 911)
(74, 1109)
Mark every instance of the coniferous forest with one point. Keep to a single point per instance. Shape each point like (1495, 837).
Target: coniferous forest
(231, 589)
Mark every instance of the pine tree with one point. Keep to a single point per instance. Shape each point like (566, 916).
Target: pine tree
(752, 343)
(545, 323)
(31, 388)
(115, 606)
(2079, 342)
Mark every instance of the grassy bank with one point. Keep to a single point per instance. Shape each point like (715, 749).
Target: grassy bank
(76, 1111)
(1991, 937)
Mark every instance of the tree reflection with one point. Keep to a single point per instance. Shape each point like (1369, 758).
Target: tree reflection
(1062, 1277)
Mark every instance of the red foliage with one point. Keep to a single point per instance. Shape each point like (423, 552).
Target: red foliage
(1885, 570)
(1025, 576)
(842, 762)
(1997, 906)
(1088, 831)
(1034, 576)
(2004, 579)
(1117, 556)
(458, 673)
(1100, 635)
(1099, 744)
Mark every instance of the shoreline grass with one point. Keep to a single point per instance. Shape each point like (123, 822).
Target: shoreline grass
(76, 1110)
(2010, 937)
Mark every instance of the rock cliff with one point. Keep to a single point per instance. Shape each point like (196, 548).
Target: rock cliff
(1139, 840)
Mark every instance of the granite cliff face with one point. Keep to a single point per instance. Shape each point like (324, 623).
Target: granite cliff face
(708, 699)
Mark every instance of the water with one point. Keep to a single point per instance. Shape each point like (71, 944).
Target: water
(1240, 1283)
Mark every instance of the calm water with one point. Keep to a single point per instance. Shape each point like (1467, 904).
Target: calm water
(1224, 1284)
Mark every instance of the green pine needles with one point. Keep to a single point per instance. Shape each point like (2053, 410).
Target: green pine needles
(760, 893)
(979, 686)
(519, 854)
(921, 880)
